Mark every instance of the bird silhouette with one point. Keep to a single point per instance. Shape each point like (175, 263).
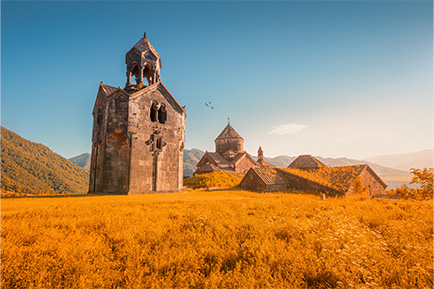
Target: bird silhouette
(206, 104)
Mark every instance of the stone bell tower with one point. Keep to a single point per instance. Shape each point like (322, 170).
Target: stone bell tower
(138, 131)
(143, 62)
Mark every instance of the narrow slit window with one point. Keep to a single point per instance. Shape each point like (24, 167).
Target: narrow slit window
(154, 112)
(159, 143)
(162, 114)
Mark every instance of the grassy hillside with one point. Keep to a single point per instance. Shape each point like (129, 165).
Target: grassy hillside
(223, 239)
(32, 168)
(82, 160)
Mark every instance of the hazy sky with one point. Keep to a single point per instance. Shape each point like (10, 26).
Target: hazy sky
(329, 78)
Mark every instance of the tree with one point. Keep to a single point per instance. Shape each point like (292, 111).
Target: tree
(424, 178)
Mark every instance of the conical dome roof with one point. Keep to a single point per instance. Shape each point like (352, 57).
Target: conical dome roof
(229, 133)
(143, 45)
(306, 162)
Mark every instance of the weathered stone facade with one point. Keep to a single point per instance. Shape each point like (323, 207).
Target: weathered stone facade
(138, 132)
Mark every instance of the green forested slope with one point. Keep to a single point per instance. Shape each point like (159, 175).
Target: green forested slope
(32, 168)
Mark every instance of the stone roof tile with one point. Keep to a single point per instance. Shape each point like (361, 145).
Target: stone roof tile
(306, 162)
(229, 133)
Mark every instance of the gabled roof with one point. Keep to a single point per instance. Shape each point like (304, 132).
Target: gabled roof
(160, 87)
(104, 91)
(306, 162)
(229, 133)
(243, 155)
(263, 163)
(270, 176)
(218, 158)
(208, 168)
(107, 89)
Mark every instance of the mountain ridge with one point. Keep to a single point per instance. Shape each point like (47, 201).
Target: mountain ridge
(406, 161)
(392, 176)
(33, 168)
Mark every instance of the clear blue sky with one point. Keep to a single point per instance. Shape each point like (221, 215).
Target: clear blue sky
(329, 78)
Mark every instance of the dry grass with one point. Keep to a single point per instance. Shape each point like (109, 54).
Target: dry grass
(221, 180)
(224, 239)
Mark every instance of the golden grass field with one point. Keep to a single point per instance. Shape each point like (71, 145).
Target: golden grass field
(215, 239)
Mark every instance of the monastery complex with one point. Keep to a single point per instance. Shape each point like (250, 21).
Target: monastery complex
(138, 141)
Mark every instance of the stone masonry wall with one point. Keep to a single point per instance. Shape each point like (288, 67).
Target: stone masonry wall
(147, 160)
(252, 182)
(223, 145)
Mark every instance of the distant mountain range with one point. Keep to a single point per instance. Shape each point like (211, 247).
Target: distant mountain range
(392, 176)
(32, 168)
(82, 160)
(421, 159)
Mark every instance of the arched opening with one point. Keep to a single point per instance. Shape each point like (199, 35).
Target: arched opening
(147, 72)
(154, 112)
(135, 71)
(162, 114)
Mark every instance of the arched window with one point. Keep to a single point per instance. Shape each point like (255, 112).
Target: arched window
(147, 73)
(162, 114)
(154, 112)
(135, 72)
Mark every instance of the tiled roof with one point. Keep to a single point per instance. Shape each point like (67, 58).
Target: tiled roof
(270, 176)
(238, 157)
(229, 133)
(208, 168)
(339, 178)
(218, 158)
(306, 162)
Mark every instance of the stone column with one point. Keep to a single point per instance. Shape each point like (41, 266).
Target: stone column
(128, 79)
(140, 79)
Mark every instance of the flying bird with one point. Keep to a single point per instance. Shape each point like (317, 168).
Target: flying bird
(209, 105)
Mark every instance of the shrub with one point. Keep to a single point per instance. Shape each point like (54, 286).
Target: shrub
(219, 180)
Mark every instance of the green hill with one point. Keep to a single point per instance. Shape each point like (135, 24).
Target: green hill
(82, 161)
(32, 168)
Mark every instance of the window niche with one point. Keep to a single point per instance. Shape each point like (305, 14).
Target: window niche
(162, 114)
(154, 112)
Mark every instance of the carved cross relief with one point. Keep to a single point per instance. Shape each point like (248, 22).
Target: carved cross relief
(156, 144)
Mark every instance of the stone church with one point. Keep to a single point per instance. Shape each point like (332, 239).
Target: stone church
(138, 131)
(229, 156)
